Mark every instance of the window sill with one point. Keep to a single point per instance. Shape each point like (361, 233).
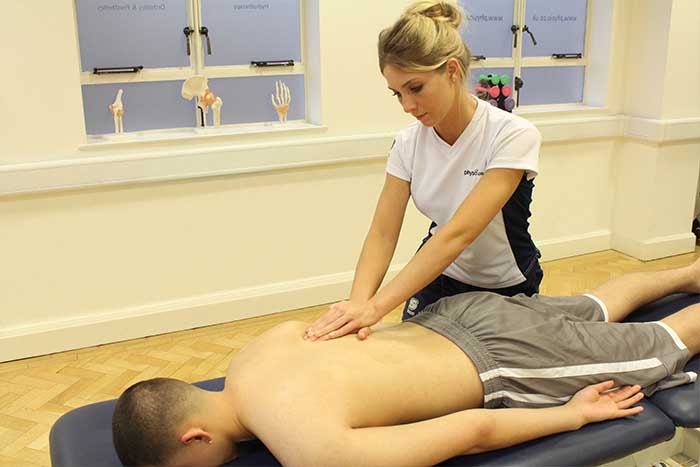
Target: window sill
(553, 111)
(115, 165)
(196, 133)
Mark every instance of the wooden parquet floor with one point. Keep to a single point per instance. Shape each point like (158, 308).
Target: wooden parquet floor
(35, 392)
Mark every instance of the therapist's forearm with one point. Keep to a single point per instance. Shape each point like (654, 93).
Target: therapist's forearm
(372, 266)
(427, 264)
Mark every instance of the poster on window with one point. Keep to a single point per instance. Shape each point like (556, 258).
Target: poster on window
(116, 33)
(487, 29)
(557, 27)
(241, 31)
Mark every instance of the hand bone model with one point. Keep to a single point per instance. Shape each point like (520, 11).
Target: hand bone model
(281, 103)
(197, 86)
(117, 110)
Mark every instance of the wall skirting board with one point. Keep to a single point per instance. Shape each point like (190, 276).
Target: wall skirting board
(654, 248)
(574, 245)
(657, 247)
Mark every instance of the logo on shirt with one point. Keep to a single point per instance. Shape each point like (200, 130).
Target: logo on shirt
(473, 173)
(412, 305)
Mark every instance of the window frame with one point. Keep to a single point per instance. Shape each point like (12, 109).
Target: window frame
(198, 67)
(517, 62)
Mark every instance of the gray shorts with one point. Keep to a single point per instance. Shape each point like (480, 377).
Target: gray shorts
(538, 351)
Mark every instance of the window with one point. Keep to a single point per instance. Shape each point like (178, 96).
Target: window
(148, 48)
(542, 42)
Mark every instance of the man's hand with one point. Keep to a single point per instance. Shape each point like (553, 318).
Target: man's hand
(594, 404)
(344, 318)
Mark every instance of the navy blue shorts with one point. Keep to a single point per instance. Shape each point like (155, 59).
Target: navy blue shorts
(445, 286)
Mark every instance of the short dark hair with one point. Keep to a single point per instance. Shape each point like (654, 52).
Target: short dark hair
(145, 420)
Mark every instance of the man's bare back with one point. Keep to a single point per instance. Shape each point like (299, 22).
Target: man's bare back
(404, 373)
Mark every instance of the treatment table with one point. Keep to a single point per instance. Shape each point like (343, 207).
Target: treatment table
(83, 436)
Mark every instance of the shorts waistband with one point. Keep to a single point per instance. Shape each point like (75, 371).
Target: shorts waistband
(470, 345)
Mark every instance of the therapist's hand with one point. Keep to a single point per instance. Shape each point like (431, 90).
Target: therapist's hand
(344, 318)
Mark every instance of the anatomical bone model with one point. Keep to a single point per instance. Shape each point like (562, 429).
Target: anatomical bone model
(117, 110)
(283, 98)
(197, 86)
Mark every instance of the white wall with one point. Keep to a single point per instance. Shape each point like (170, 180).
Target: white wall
(46, 121)
(577, 194)
(100, 264)
(656, 177)
(681, 98)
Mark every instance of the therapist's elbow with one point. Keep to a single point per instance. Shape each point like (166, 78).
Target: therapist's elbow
(384, 234)
(455, 241)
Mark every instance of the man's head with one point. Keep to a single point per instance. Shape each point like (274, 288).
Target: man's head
(161, 422)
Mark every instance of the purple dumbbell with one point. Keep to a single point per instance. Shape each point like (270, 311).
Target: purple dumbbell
(509, 104)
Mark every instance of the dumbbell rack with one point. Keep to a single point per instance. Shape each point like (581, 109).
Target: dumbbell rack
(496, 89)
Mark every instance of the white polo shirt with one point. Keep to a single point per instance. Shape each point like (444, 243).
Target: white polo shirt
(441, 177)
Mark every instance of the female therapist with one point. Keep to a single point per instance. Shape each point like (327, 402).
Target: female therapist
(468, 167)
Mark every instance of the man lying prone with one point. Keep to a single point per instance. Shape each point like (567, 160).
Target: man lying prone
(422, 391)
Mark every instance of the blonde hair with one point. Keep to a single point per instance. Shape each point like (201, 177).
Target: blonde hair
(424, 38)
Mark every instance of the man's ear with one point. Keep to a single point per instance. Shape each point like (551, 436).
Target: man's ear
(194, 435)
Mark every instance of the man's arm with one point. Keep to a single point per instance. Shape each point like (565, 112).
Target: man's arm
(472, 431)
(467, 432)
(425, 443)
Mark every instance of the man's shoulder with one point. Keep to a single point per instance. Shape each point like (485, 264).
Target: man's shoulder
(288, 327)
(266, 370)
(292, 328)
(267, 346)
